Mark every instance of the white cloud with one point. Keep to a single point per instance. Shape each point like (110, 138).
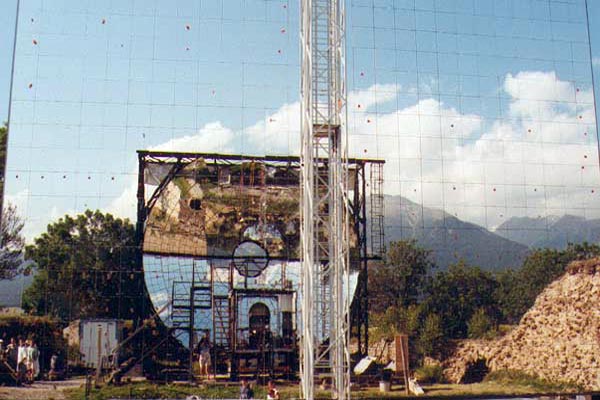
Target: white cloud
(212, 137)
(596, 61)
(484, 171)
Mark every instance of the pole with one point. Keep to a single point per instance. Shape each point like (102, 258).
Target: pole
(10, 96)
(192, 322)
(98, 355)
(587, 16)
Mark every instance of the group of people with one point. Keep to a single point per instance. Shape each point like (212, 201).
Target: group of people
(23, 357)
(246, 391)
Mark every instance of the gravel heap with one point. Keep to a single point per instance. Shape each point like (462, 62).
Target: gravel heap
(558, 339)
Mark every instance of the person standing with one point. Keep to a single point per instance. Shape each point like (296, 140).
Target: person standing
(204, 358)
(29, 360)
(35, 360)
(21, 361)
(244, 390)
(11, 353)
(272, 392)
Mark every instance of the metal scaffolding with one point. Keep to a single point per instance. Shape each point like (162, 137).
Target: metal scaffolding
(325, 224)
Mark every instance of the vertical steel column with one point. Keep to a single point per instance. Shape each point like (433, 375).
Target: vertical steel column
(325, 227)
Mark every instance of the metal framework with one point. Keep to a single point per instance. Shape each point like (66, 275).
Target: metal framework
(195, 294)
(325, 222)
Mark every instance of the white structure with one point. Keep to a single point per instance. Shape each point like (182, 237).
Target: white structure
(325, 226)
(97, 339)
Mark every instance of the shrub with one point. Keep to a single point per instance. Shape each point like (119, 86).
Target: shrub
(481, 326)
(430, 374)
(431, 338)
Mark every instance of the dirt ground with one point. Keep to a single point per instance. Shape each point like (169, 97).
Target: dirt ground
(39, 390)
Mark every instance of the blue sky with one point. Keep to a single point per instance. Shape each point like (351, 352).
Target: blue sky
(482, 109)
(7, 16)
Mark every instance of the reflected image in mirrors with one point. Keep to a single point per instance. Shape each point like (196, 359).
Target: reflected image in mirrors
(250, 259)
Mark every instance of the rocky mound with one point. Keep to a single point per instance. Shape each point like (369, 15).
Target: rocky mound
(558, 339)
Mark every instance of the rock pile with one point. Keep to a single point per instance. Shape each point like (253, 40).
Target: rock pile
(558, 339)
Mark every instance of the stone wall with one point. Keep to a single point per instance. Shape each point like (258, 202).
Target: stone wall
(558, 339)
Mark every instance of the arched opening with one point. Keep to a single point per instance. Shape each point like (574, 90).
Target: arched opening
(259, 324)
(476, 371)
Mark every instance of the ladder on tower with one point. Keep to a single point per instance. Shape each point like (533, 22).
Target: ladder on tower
(186, 298)
(221, 323)
(376, 210)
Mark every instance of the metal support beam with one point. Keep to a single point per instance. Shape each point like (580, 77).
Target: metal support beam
(325, 225)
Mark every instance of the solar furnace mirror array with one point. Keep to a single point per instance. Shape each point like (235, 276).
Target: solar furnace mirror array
(482, 110)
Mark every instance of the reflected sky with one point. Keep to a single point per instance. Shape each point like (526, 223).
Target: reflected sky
(483, 109)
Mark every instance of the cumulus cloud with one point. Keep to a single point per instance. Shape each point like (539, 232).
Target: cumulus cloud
(211, 137)
(527, 163)
(539, 158)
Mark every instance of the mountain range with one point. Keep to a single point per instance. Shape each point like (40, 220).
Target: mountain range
(553, 231)
(451, 239)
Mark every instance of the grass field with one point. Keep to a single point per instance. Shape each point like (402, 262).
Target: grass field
(146, 390)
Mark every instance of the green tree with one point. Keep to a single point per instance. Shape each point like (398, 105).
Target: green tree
(431, 340)
(396, 320)
(11, 243)
(401, 280)
(456, 294)
(87, 268)
(517, 290)
(480, 325)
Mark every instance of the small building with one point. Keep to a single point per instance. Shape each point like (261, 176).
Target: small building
(96, 339)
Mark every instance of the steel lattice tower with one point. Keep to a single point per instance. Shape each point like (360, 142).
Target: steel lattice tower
(325, 227)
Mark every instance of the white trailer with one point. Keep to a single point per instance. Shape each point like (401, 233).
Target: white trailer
(97, 339)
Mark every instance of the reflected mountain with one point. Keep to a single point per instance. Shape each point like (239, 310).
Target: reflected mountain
(11, 291)
(555, 232)
(449, 238)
